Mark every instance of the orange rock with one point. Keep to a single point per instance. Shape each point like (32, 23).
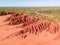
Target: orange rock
(53, 28)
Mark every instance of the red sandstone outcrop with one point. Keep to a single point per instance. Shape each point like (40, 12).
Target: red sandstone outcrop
(31, 25)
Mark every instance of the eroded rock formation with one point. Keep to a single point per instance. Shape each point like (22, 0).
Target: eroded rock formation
(31, 25)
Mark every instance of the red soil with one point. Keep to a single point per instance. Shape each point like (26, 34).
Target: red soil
(30, 26)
